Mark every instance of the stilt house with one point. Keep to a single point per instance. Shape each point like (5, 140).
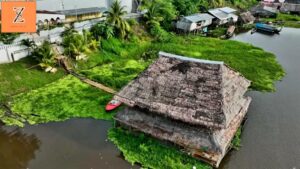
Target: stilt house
(196, 104)
(196, 22)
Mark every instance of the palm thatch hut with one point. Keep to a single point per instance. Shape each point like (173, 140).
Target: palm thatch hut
(195, 104)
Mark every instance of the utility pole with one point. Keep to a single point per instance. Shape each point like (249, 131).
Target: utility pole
(76, 13)
(62, 5)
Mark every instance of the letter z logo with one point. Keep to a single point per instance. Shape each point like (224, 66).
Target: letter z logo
(19, 14)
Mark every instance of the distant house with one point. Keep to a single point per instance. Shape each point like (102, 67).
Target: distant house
(81, 14)
(49, 18)
(195, 104)
(246, 18)
(264, 11)
(292, 1)
(292, 6)
(224, 15)
(194, 22)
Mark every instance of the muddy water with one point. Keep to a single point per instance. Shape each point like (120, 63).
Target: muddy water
(74, 144)
(271, 139)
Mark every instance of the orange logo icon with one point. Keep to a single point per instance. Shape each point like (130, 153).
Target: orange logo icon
(18, 16)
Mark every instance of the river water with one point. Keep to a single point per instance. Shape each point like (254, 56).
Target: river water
(271, 138)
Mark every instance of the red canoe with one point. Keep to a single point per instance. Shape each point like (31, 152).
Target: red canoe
(113, 104)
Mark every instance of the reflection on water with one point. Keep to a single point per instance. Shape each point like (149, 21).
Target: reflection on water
(73, 144)
(17, 148)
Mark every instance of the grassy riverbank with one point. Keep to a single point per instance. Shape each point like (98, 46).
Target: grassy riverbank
(17, 78)
(288, 20)
(64, 99)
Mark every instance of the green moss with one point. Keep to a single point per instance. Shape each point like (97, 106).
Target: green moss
(61, 100)
(116, 74)
(151, 153)
(16, 78)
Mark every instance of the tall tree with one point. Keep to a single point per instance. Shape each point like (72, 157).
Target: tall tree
(161, 11)
(115, 18)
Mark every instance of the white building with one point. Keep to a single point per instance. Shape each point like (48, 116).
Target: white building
(194, 22)
(48, 17)
(224, 15)
(58, 5)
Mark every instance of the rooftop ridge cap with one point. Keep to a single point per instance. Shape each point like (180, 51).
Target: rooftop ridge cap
(185, 58)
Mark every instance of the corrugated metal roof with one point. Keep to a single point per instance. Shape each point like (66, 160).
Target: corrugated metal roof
(198, 17)
(46, 12)
(81, 11)
(227, 10)
(218, 14)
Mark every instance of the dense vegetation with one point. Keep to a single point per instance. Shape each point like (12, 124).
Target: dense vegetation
(187, 7)
(254, 63)
(17, 78)
(61, 100)
(150, 153)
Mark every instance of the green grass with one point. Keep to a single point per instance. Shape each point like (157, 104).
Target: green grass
(64, 99)
(254, 63)
(15, 78)
(236, 142)
(288, 20)
(2, 112)
(116, 74)
(151, 153)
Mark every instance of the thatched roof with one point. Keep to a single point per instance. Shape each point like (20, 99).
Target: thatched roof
(193, 91)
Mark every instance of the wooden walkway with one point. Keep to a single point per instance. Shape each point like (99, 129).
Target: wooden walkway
(99, 86)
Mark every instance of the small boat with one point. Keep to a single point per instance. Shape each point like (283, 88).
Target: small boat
(230, 31)
(112, 105)
(267, 28)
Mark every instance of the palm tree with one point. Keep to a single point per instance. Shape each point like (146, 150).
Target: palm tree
(75, 44)
(30, 44)
(44, 54)
(114, 17)
(68, 31)
(152, 16)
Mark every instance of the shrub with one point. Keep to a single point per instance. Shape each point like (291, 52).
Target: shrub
(102, 30)
(132, 22)
(160, 34)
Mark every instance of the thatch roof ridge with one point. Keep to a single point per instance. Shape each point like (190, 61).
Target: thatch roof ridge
(189, 59)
